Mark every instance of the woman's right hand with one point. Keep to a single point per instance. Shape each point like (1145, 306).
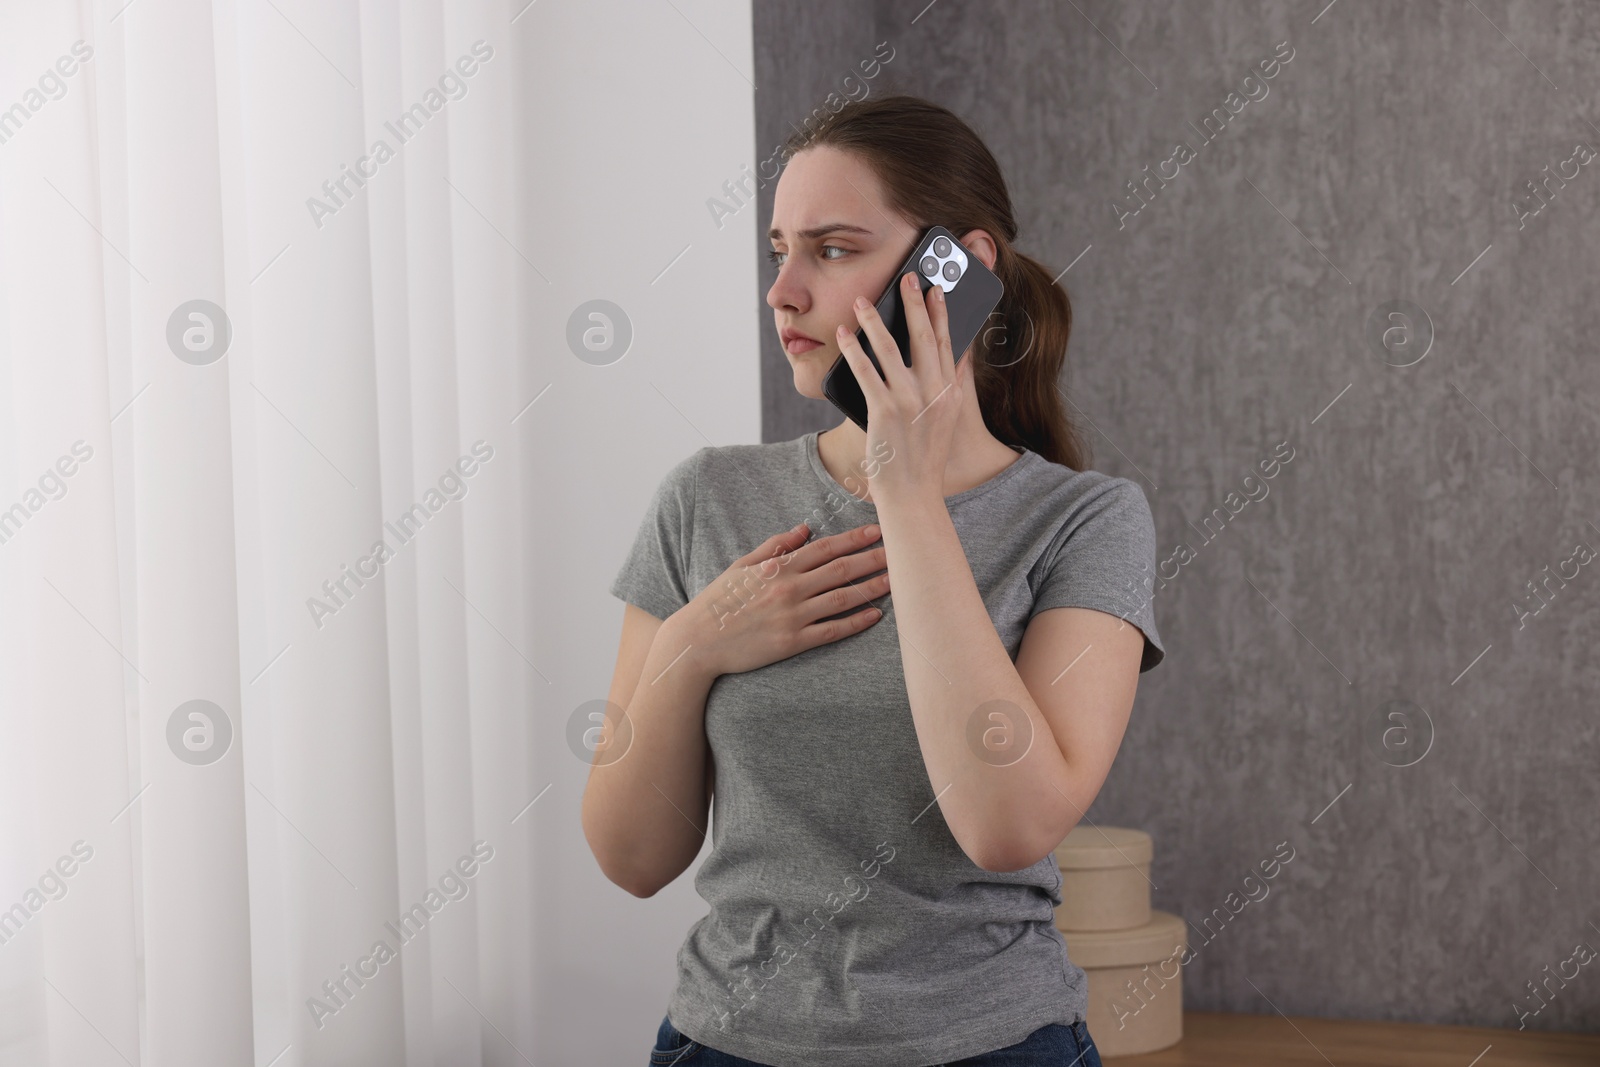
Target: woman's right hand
(764, 608)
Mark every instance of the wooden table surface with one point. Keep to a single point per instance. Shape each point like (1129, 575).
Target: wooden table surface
(1217, 1040)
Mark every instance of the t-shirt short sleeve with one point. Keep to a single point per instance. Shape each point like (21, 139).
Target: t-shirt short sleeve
(655, 575)
(1103, 558)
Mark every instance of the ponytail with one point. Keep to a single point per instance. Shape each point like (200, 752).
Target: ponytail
(1019, 359)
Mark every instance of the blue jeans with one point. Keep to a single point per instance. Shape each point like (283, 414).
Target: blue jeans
(1055, 1045)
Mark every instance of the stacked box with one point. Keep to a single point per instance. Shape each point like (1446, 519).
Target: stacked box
(1132, 954)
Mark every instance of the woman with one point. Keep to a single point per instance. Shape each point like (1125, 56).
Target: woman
(890, 775)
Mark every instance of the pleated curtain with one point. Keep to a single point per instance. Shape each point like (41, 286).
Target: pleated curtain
(257, 740)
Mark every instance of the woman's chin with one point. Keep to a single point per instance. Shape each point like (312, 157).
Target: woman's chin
(808, 385)
(809, 373)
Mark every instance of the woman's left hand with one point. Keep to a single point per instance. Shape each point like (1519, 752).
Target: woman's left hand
(914, 410)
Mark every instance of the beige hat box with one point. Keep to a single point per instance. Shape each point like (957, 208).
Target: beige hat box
(1132, 954)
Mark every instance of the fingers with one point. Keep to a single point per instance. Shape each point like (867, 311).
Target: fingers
(873, 390)
(928, 323)
(850, 541)
(791, 547)
(845, 574)
(890, 358)
(777, 549)
(790, 538)
(940, 315)
(822, 633)
(825, 549)
(826, 578)
(932, 360)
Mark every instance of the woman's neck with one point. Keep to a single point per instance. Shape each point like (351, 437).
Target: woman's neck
(976, 455)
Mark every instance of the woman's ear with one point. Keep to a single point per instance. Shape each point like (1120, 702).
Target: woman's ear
(981, 245)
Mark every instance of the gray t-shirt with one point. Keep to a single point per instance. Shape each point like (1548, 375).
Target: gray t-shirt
(847, 927)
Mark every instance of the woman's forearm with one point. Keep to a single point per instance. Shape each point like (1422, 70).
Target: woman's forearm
(955, 665)
(645, 812)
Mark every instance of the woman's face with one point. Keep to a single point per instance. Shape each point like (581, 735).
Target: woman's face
(835, 239)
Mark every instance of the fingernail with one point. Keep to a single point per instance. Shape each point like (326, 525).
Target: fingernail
(861, 302)
(872, 530)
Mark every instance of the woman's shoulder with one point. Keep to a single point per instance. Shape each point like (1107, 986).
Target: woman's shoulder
(747, 467)
(711, 456)
(1067, 488)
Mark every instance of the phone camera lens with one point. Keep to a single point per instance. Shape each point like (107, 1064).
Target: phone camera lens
(930, 267)
(941, 247)
(951, 271)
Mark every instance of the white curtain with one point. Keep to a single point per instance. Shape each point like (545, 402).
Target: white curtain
(239, 741)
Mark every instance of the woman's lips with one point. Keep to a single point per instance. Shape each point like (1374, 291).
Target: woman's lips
(798, 345)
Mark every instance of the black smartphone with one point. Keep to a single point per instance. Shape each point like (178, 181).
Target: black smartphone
(971, 293)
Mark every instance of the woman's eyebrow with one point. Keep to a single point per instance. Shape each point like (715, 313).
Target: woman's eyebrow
(776, 234)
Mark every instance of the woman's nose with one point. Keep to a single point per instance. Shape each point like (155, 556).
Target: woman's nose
(787, 291)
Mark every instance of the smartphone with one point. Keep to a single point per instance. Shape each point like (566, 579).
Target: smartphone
(971, 293)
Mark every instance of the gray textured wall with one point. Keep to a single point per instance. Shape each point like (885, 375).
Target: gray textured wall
(1391, 558)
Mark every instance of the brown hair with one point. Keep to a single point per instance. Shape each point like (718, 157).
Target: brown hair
(936, 170)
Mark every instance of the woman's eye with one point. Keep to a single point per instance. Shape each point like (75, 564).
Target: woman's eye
(778, 257)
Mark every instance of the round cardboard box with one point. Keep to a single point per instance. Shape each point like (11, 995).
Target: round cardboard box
(1105, 878)
(1135, 983)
